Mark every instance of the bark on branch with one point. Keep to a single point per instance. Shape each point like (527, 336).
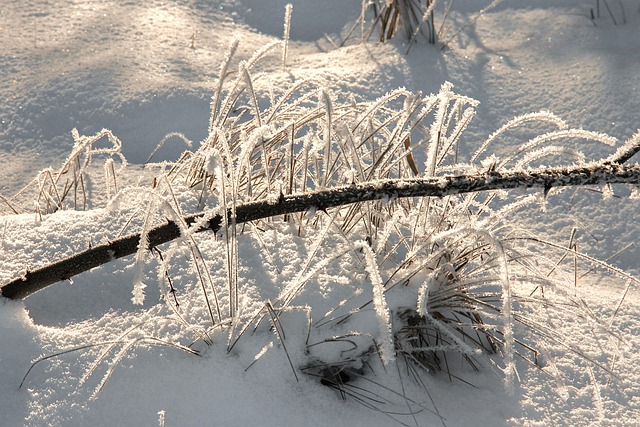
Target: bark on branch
(610, 171)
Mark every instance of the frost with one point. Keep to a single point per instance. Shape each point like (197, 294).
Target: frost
(212, 164)
(380, 305)
(556, 135)
(224, 66)
(626, 150)
(327, 105)
(287, 28)
(423, 293)
(243, 70)
(311, 212)
(542, 116)
(274, 197)
(550, 150)
(143, 247)
(489, 163)
(138, 287)
(166, 138)
(263, 351)
(507, 325)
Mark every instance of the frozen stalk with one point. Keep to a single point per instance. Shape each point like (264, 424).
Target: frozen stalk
(138, 276)
(287, 28)
(380, 304)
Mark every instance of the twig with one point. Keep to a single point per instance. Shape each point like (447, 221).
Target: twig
(609, 171)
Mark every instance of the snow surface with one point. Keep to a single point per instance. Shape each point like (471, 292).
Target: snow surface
(145, 69)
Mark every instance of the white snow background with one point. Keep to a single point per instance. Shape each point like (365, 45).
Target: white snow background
(144, 69)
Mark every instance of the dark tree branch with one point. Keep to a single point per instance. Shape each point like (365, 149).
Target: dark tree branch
(610, 171)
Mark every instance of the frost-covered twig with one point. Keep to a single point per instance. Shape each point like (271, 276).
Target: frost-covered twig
(609, 171)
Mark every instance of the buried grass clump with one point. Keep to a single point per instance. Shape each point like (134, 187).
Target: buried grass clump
(346, 292)
(413, 19)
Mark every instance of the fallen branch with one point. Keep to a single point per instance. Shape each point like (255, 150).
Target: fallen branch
(610, 171)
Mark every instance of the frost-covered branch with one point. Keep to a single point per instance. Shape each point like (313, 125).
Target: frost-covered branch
(610, 171)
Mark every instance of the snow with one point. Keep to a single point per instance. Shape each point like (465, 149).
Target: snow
(146, 69)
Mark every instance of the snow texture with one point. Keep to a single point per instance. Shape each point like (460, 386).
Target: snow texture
(149, 71)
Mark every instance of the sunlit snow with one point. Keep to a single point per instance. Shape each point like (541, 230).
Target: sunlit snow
(147, 72)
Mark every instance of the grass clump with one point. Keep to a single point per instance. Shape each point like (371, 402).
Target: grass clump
(439, 277)
(67, 187)
(414, 283)
(412, 19)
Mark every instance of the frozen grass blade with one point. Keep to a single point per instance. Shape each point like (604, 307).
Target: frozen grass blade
(275, 321)
(168, 137)
(149, 341)
(561, 134)
(510, 368)
(542, 116)
(224, 66)
(138, 276)
(287, 29)
(380, 305)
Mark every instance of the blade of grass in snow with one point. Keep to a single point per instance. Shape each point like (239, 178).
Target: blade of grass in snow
(224, 66)
(382, 310)
(138, 276)
(275, 321)
(506, 308)
(542, 116)
(164, 140)
(552, 136)
(287, 28)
